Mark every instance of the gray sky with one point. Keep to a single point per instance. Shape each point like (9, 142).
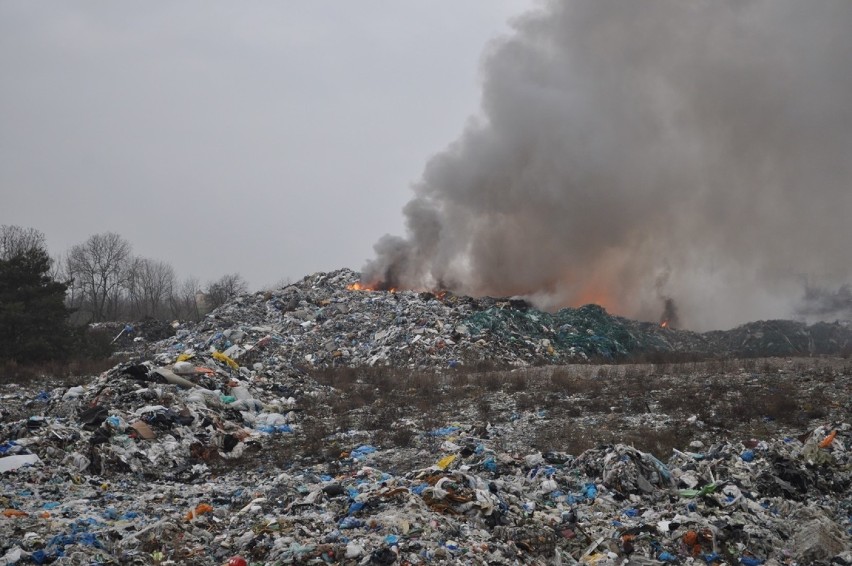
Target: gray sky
(273, 139)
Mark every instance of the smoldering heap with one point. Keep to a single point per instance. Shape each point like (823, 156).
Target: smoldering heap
(706, 143)
(326, 321)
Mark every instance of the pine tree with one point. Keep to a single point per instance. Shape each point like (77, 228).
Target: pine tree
(33, 316)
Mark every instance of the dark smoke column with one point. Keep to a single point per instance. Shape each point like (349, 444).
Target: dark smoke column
(619, 140)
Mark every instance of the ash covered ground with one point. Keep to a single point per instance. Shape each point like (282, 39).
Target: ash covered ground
(318, 424)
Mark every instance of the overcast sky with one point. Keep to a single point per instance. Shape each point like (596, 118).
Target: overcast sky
(273, 139)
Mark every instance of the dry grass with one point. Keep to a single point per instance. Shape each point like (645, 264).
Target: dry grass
(58, 374)
(655, 406)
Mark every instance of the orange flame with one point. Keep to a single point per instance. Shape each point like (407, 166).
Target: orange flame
(664, 324)
(358, 286)
(597, 295)
(378, 286)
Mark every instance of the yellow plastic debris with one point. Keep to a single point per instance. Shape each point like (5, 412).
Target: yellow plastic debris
(184, 357)
(223, 358)
(444, 462)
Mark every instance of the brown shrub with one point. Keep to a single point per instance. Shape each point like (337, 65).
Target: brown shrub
(517, 382)
(524, 402)
(561, 436)
(488, 380)
(659, 442)
(66, 374)
(563, 380)
(338, 377)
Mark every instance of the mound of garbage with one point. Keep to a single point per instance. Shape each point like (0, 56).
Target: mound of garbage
(147, 465)
(215, 446)
(322, 321)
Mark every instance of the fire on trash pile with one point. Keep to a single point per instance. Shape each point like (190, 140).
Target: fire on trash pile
(328, 320)
(238, 440)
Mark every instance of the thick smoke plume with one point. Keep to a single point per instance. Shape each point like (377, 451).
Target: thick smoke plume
(824, 304)
(670, 317)
(617, 140)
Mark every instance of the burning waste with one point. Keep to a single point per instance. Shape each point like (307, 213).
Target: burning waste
(618, 139)
(669, 318)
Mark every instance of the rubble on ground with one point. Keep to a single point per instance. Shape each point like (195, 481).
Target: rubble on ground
(228, 442)
(132, 466)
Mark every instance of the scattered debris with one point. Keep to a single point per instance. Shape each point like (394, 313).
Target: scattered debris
(227, 444)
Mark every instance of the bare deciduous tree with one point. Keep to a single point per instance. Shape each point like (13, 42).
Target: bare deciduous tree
(57, 268)
(99, 268)
(150, 284)
(224, 289)
(184, 301)
(16, 240)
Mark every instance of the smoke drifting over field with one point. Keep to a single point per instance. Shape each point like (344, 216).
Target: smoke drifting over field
(825, 304)
(708, 143)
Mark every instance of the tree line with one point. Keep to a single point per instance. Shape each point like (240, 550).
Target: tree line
(107, 282)
(95, 281)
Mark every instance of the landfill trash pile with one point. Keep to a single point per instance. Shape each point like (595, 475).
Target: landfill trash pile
(201, 461)
(308, 425)
(784, 338)
(323, 321)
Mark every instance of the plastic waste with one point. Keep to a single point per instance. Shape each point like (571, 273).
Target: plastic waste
(219, 356)
(826, 442)
(8, 463)
(445, 462)
(200, 509)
